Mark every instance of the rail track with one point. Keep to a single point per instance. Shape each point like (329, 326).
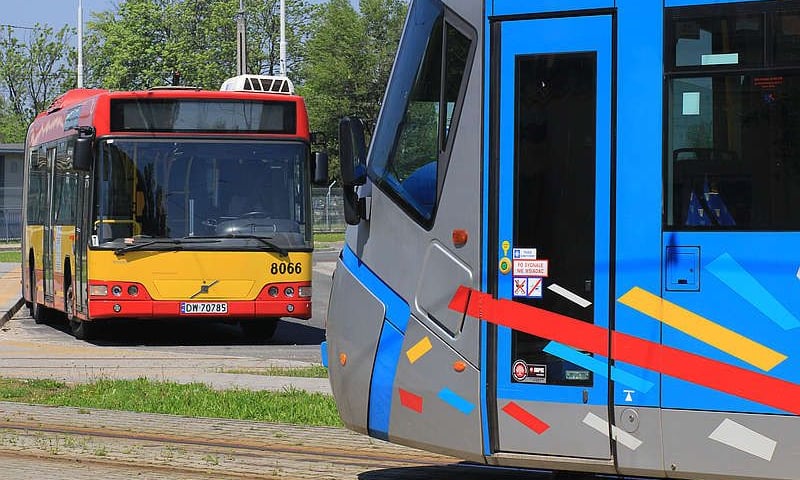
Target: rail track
(112, 444)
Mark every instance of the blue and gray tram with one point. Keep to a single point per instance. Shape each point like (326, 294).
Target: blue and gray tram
(574, 239)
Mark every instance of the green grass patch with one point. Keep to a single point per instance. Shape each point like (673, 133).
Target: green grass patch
(316, 371)
(12, 256)
(192, 400)
(328, 237)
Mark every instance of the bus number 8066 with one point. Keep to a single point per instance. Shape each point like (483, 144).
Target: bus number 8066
(284, 268)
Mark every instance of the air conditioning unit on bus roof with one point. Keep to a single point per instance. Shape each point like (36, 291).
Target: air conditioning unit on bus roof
(259, 83)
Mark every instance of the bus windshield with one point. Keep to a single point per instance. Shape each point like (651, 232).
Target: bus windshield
(243, 190)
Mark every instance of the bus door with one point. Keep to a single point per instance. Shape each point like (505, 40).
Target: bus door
(82, 232)
(554, 128)
(47, 251)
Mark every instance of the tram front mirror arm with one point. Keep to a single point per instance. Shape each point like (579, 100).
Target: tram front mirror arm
(352, 152)
(354, 207)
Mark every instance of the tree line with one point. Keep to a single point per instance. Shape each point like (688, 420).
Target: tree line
(338, 56)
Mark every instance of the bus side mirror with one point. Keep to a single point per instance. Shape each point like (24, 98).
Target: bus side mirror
(83, 155)
(320, 166)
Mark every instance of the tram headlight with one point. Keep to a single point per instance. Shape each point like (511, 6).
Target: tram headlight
(133, 290)
(304, 292)
(273, 291)
(288, 291)
(116, 290)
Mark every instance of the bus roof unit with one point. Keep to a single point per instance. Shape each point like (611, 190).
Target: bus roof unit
(259, 83)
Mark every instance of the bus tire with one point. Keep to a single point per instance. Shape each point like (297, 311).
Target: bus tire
(37, 310)
(260, 329)
(82, 330)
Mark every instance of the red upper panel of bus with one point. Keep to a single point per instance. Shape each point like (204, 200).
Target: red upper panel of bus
(95, 107)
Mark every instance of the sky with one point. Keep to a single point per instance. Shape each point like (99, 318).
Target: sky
(56, 13)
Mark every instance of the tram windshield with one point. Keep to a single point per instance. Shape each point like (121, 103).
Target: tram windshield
(168, 189)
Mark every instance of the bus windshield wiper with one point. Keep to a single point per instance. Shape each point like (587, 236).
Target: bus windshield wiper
(282, 251)
(174, 241)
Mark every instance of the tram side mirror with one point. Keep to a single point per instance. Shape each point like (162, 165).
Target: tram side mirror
(352, 151)
(84, 153)
(320, 166)
(352, 161)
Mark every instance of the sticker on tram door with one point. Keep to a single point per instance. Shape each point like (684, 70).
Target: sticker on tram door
(529, 373)
(528, 287)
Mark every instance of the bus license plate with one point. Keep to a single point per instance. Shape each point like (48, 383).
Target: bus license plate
(203, 308)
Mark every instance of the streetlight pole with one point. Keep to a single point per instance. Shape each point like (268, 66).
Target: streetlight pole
(80, 43)
(283, 38)
(241, 41)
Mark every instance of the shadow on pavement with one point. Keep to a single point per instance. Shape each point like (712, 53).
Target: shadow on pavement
(123, 332)
(459, 471)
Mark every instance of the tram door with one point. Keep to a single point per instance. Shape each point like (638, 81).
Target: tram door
(553, 185)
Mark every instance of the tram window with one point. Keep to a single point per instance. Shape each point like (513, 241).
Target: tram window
(787, 39)
(410, 148)
(733, 160)
(719, 41)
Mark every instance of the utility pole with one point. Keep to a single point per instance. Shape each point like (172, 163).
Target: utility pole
(241, 41)
(80, 43)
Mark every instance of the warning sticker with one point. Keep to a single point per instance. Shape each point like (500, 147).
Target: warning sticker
(530, 268)
(529, 287)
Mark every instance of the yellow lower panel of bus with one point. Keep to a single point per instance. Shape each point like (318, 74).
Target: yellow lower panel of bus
(181, 275)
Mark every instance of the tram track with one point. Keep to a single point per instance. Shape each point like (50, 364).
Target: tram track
(206, 448)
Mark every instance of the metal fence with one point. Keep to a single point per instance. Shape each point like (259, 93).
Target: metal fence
(327, 212)
(10, 224)
(327, 209)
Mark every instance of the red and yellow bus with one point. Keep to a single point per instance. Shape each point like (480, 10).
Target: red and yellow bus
(170, 203)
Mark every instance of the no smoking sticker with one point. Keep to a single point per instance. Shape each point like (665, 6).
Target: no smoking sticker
(529, 287)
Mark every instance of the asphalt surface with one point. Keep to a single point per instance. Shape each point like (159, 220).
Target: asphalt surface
(215, 354)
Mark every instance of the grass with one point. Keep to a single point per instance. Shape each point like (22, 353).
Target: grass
(14, 256)
(328, 237)
(316, 371)
(191, 400)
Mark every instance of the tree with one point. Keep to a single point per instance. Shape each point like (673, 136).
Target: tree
(33, 71)
(145, 42)
(348, 61)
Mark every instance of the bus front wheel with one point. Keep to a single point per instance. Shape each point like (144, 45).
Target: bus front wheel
(80, 329)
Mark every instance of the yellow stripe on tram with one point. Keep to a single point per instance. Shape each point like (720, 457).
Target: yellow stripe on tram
(702, 329)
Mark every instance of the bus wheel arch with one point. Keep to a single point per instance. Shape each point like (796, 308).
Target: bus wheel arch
(69, 292)
(81, 329)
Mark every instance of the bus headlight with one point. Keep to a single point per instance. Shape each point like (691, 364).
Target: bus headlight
(273, 291)
(288, 291)
(304, 291)
(98, 290)
(133, 290)
(116, 290)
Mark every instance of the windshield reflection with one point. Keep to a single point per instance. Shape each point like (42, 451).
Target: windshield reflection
(191, 188)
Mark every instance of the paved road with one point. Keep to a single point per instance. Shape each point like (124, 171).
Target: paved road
(213, 353)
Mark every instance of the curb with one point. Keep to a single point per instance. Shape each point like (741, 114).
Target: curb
(11, 311)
